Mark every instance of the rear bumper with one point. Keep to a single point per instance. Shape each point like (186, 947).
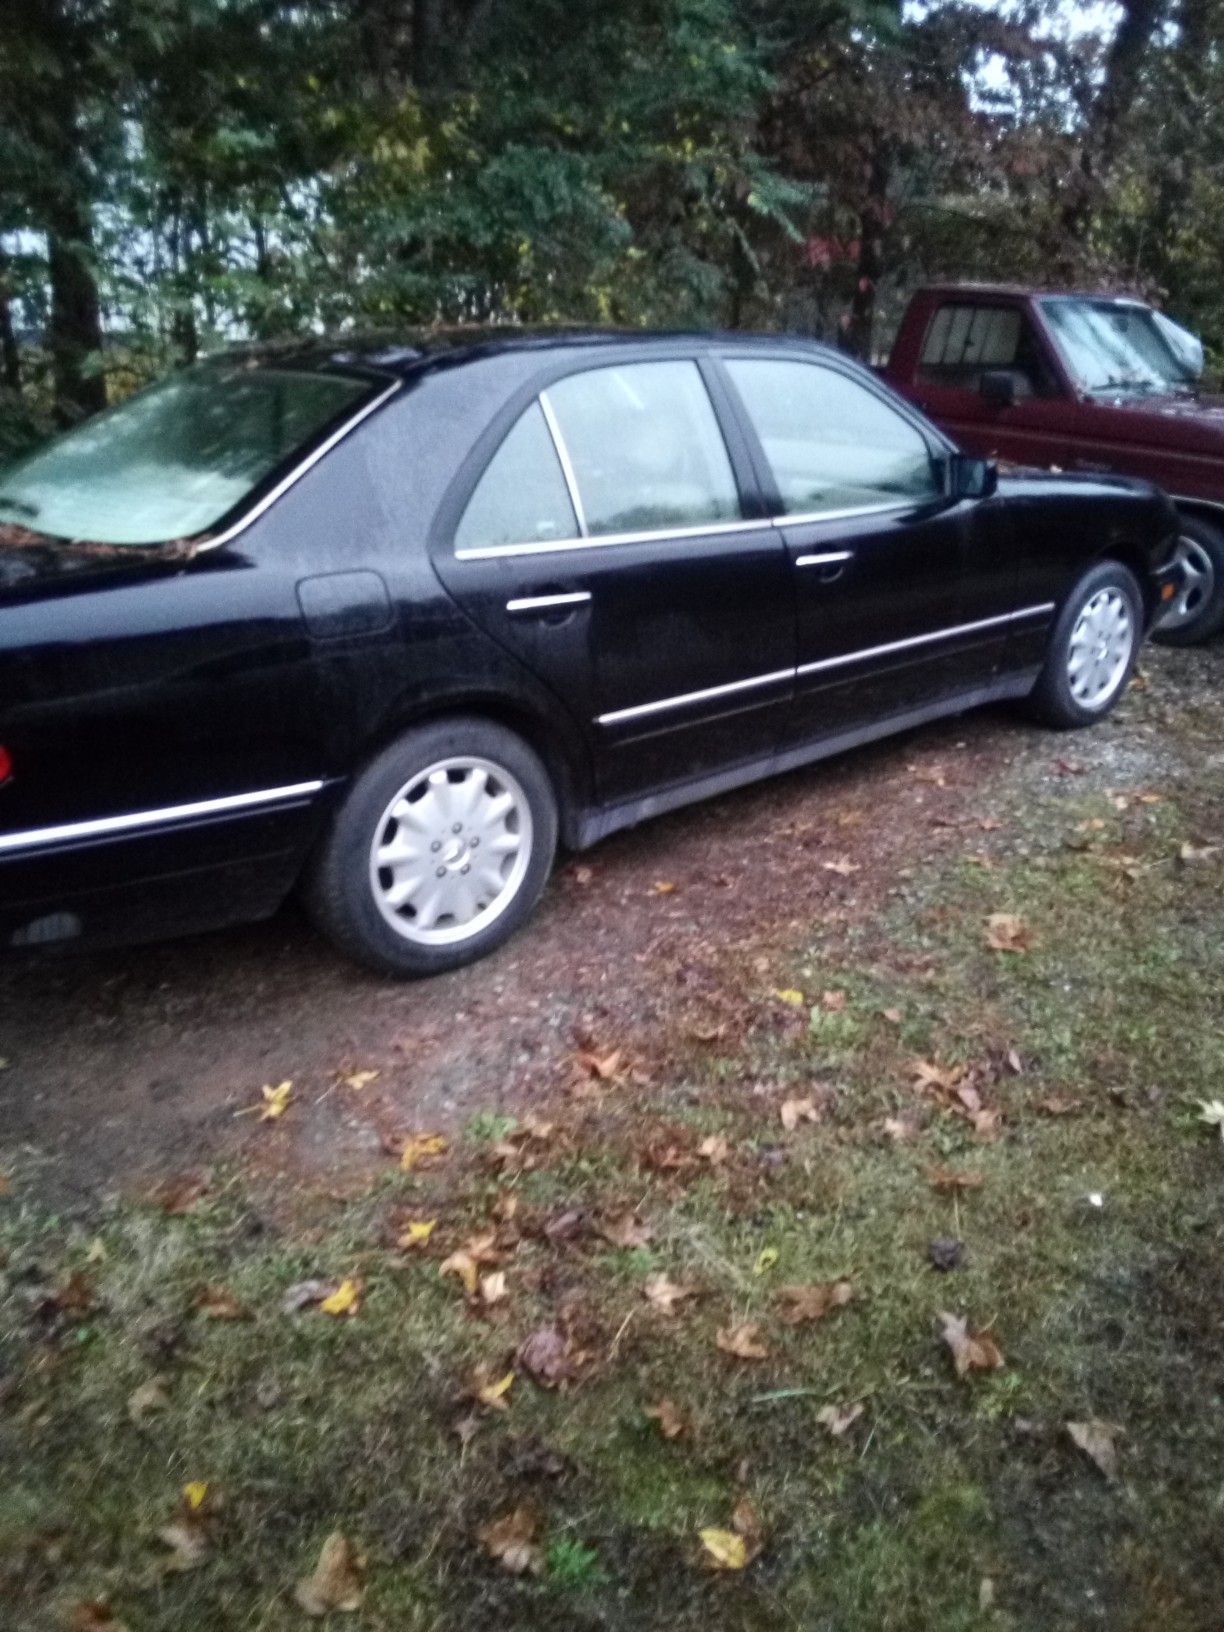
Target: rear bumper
(157, 873)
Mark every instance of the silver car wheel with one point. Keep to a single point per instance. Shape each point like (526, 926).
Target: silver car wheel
(1198, 585)
(451, 851)
(1101, 647)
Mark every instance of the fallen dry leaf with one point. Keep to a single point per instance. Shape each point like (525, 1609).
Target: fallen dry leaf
(1098, 1441)
(420, 1148)
(663, 887)
(899, 1129)
(187, 1533)
(971, 1351)
(929, 1074)
(794, 1111)
(95, 1616)
(947, 1180)
(416, 1233)
(545, 1357)
(1006, 933)
(358, 1080)
(512, 1541)
(715, 1149)
(345, 1300)
(744, 1342)
(180, 1193)
(337, 1580)
(302, 1294)
(463, 1265)
(795, 999)
(273, 1104)
(727, 1551)
(671, 1420)
(215, 1303)
(603, 1067)
(1211, 1111)
(837, 1420)
(842, 867)
(1190, 854)
(625, 1230)
(493, 1287)
(1057, 1105)
(664, 1294)
(149, 1398)
(765, 1260)
(491, 1392)
(807, 1303)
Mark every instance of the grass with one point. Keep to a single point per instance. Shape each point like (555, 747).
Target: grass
(950, 1504)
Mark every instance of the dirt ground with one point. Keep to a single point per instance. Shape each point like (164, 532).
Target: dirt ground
(125, 1063)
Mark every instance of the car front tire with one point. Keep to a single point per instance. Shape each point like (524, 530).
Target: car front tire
(439, 851)
(1092, 650)
(1197, 611)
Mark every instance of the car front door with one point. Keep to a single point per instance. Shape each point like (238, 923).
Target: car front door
(607, 544)
(902, 591)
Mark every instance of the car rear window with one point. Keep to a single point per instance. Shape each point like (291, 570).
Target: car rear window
(174, 460)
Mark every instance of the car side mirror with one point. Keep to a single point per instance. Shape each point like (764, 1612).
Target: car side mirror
(997, 388)
(970, 478)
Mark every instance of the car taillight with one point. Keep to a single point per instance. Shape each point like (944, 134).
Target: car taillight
(6, 764)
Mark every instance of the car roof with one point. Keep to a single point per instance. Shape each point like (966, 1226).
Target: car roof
(407, 350)
(1027, 291)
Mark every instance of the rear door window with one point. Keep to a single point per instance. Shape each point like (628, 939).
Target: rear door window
(831, 443)
(645, 448)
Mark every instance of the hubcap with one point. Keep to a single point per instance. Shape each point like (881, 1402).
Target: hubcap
(1102, 642)
(1198, 585)
(451, 851)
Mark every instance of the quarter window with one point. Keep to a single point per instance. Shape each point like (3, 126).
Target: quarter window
(522, 497)
(645, 447)
(831, 443)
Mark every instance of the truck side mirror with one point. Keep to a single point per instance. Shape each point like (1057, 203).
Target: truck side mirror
(997, 387)
(970, 478)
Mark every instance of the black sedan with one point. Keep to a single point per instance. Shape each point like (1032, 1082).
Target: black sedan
(391, 623)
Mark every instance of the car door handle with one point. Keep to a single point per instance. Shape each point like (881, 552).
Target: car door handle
(524, 605)
(830, 562)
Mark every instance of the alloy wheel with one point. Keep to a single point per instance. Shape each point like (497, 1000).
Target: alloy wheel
(1101, 646)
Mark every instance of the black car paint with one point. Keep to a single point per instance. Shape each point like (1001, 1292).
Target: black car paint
(140, 681)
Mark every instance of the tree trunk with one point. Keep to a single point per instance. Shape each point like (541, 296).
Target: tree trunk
(76, 315)
(873, 223)
(10, 356)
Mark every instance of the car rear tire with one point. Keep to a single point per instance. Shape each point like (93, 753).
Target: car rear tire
(1093, 649)
(1197, 612)
(439, 851)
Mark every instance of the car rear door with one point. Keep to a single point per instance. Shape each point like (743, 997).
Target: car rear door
(899, 603)
(608, 543)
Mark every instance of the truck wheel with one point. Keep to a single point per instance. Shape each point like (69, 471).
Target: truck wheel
(1198, 610)
(1092, 649)
(439, 851)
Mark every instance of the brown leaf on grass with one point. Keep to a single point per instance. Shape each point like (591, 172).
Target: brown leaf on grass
(1006, 933)
(216, 1303)
(463, 1265)
(664, 1294)
(794, 1111)
(947, 1180)
(545, 1357)
(149, 1398)
(565, 1227)
(75, 1296)
(337, 1582)
(929, 1074)
(985, 1123)
(95, 1616)
(715, 1148)
(1190, 854)
(512, 1541)
(625, 1230)
(899, 1129)
(837, 1420)
(971, 1351)
(1098, 1441)
(664, 887)
(415, 1233)
(746, 1522)
(833, 1002)
(1058, 1105)
(743, 1342)
(187, 1533)
(604, 1067)
(667, 1156)
(734, 1549)
(489, 1387)
(671, 1420)
(841, 867)
(807, 1303)
(357, 1080)
(180, 1193)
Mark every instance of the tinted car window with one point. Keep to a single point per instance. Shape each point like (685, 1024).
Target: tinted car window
(831, 443)
(646, 449)
(965, 341)
(522, 497)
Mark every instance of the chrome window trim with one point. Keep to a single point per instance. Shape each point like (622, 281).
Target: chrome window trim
(99, 827)
(923, 640)
(640, 710)
(539, 603)
(566, 463)
(554, 546)
(296, 474)
(808, 517)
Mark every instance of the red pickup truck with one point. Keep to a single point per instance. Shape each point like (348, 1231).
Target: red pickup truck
(1078, 382)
